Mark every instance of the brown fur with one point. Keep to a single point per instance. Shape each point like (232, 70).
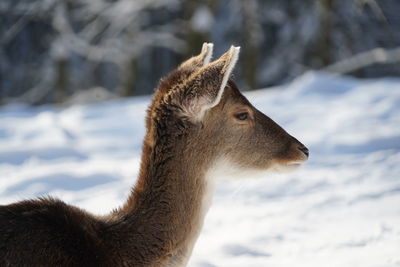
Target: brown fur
(161, 219)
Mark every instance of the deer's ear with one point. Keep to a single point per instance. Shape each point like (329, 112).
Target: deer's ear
(206, 86)
(198, 61)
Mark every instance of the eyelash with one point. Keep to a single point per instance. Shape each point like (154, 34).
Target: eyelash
(242, 116)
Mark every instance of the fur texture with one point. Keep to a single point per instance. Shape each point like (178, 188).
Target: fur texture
(192, 123)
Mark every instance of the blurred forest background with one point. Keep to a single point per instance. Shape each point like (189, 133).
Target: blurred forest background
(68, 51)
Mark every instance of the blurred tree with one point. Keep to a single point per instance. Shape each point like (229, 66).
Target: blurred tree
(252, 41)
(51, 49)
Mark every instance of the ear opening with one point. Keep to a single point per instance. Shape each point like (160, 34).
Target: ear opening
(200, 60)
(207, 85)
(233, 55)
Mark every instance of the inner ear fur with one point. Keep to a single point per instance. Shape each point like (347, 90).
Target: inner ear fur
(193, 63)
(206, 86)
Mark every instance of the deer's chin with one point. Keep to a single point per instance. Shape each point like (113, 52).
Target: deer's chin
(288, 167)
(224, 168)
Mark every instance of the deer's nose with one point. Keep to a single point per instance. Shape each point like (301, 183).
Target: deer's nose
(304, 149)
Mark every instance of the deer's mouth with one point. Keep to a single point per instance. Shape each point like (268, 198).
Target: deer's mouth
(289, 167)
(290, 164)
(296, 157)
(300, 160)
(295, 164)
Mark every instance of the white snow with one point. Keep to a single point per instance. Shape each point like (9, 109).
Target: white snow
(342, 208)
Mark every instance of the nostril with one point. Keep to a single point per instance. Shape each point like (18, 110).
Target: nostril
(304, 150)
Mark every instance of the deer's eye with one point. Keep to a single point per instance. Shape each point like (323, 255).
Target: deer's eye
(242, 116)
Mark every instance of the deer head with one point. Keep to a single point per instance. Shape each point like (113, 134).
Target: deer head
(198, 126)
(200, 105)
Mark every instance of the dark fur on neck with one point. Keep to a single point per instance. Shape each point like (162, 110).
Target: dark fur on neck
(154, 226)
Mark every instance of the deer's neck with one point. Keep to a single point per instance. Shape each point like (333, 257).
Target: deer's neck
(168, 204)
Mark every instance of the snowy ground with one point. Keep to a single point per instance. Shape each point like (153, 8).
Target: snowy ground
(341, 209)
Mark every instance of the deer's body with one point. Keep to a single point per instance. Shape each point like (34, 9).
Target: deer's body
(196, 130)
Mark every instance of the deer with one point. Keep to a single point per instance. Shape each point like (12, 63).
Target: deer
(199, 126)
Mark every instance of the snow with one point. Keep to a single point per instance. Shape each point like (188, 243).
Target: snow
(342, 208)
